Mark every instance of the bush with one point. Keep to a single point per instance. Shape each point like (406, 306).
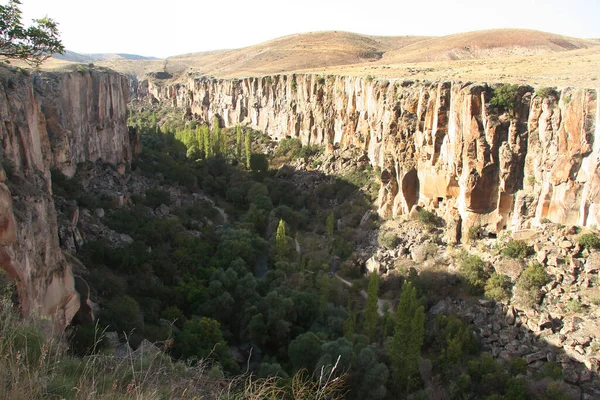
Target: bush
(475, 233)
(427, 217)
(529, 284)
(498, 287)
(545, 91)
(472, 269)
(156, 197)
(517, 249)
(589, 241)
(506, 97)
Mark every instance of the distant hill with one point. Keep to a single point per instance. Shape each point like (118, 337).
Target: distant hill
(82, 58)
(501, 55)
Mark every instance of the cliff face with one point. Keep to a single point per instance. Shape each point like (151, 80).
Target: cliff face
(437, 144)
(51, 120)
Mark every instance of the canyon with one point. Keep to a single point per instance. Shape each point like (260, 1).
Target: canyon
(440, 145)
(52, 121)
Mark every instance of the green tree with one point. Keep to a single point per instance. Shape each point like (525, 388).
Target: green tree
(305, 351)
(330, 225)
(281, 241)
(248, 147)
(350, 323)
(408, 338)
(33, 44)
(219, 142)
(208, 148)
(238, 142)
(153, 126)
(371, 307)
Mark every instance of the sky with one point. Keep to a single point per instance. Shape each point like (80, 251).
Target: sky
(171, 27)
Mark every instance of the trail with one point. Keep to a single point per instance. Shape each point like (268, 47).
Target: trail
(381, 303)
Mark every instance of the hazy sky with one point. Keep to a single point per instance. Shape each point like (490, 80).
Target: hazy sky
(170, 27)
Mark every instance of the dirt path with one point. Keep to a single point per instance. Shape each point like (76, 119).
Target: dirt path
(381, 303)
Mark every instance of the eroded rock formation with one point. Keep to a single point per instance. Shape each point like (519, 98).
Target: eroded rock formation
(437, 144)
(51, 121)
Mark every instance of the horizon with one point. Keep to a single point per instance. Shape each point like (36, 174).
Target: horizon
(142, 29)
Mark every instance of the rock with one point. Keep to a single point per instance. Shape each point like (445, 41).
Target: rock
(146, 348)
(372, 265)
(421, 252)
(592, 264)
(540, 355)
(510, 315)
(112, 339)
(565, 244)
(123, 351)
(162, 211)
(99, 212)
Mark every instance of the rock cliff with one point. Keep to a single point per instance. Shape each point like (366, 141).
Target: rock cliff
(437, 144)
(51, 121)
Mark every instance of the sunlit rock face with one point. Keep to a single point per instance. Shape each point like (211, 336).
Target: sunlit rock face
(437, 144)
(46, 121)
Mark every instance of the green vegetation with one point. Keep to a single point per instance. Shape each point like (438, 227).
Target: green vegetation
(505, 96)
(529, 284)
(498, 287)
(408, 339)
(33, 44)
(546, 92)
(517, 249)
(428, 218)
(475, 233)
(589, 241)
(204, 283)
(473, 271)
(371, 307)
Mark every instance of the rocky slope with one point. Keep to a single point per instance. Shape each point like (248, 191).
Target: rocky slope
(52, 121)
(438, 144)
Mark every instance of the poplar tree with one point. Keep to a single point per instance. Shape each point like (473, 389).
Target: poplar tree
(371, 307)
(238, 142)
(217, 145)
(350, 323)
(248, 146)
(207, 142)
(281, 241)
(408, 338)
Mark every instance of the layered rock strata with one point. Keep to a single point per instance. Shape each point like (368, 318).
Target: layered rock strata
(51, 121)
(437, 144)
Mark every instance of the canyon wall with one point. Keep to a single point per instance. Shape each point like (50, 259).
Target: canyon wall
(51, 120)
(437, 144)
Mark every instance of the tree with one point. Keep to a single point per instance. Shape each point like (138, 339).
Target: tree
(238, 141)
(330, 225)
(33, 44)
(408, 338)
(248, 147)
(350, 323)
(371, 307)
(281, 241)
(305, 351)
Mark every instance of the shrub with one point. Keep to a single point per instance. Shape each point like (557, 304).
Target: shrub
(545, 91)
(156, 197)
(427, 217)
(475, 232)
(529, 284)
(505, 96)
(574, 306)
(498, 287)
(472, 269)
(517, 249)
(589, 241)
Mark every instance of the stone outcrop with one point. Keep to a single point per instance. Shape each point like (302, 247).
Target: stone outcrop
(51, 121)
(438, 144)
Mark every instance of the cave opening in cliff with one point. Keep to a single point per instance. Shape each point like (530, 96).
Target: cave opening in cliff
(410, 188)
